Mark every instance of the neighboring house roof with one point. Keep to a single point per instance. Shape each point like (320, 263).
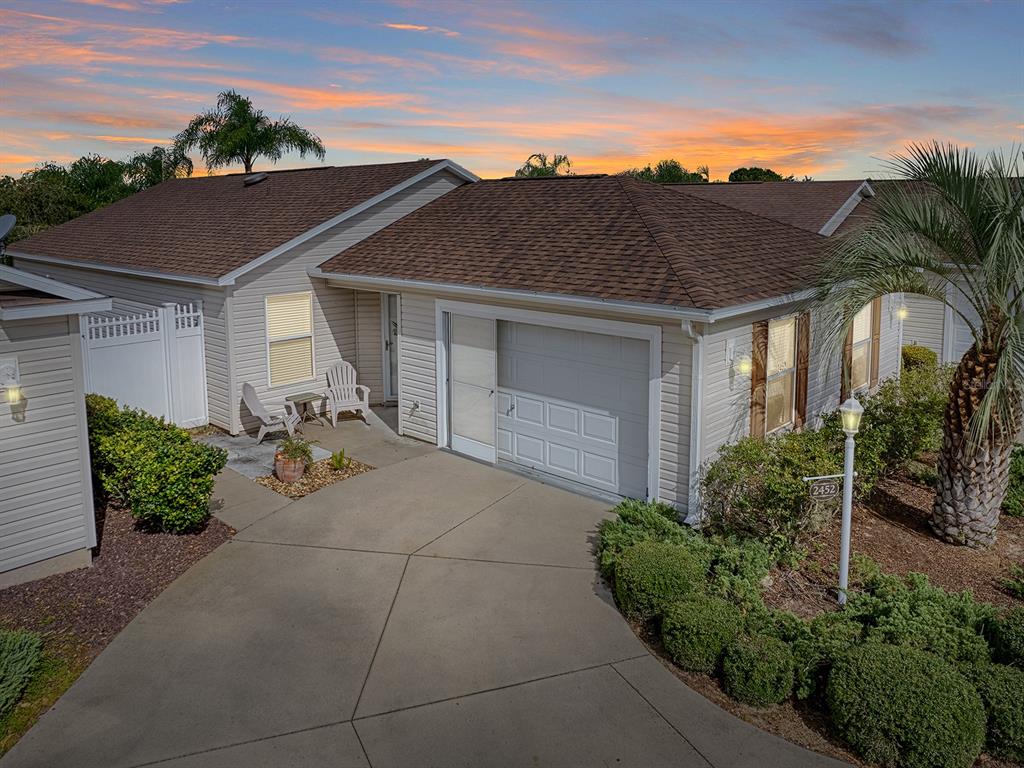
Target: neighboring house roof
(24, 295)
(611, 238)
(816, 206)
(213, 228)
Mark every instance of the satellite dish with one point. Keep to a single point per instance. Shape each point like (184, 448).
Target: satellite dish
(7, 222)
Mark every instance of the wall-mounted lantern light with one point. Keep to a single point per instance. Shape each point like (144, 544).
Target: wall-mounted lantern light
(902, 313)
(10, 379)
(744, 366)
(740, 363)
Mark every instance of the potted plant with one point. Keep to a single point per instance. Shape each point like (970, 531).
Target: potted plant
(292, 456)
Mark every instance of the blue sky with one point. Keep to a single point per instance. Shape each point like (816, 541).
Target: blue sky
(821, 88)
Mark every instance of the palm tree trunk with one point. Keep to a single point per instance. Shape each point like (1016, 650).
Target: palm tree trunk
(972, 482)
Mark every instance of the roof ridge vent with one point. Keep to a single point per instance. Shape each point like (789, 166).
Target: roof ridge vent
(255, 178)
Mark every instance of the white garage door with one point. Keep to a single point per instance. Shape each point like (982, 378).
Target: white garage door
(574, 405)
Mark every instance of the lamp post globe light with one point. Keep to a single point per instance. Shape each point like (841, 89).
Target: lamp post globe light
(851, 412)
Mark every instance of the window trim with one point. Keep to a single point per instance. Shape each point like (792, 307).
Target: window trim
(268, 341)
(768, 378)
(865, 343)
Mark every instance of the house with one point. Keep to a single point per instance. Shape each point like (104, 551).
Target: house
(239, 246)
(602, 332)
(839, 207)
(46, 501)
(608, 332)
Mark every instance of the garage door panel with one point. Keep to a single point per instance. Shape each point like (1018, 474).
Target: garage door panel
(528, 448)
(564, 458)
(564, 419)
(598, 426)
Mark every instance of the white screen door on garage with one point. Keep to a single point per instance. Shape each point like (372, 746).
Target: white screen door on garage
(473, 378)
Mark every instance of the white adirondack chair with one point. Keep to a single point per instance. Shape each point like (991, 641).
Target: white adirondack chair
(268, 422)
(343, 394)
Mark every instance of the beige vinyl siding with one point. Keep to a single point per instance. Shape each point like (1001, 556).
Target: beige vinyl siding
(334, 309)
(154, 292)
(726, 393)
(369, 360)
(675, 417)
(45, 492)
(417, 367)
(824, 372)
(889, 337)
(924, 323)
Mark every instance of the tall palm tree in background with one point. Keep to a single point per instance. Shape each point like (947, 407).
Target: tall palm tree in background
(539, 165)
(145, 169)
(235, 132)
(953, 230)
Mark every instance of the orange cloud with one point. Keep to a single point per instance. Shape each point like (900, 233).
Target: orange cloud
(299, 97)
(130, 140)
(421, 28)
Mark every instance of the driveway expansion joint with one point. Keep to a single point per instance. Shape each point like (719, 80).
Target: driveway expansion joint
(462, 522)
(505, 687)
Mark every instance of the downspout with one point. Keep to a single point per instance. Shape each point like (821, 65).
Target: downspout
(695, 332)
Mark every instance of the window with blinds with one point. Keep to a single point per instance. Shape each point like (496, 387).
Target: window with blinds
(780, 374)
(290, 337)
(860, 362)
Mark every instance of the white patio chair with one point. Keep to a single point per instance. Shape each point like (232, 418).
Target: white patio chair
(343, 394)
(268, 422)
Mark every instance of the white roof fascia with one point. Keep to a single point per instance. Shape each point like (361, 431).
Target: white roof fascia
(46, 284)
(70, 307)
(864, 190)
(444, 165)
(168, 276)
(553, 299)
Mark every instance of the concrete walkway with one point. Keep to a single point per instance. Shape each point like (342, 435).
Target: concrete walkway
(434, 612)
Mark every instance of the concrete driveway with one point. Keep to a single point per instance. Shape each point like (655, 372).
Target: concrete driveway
(434, 612)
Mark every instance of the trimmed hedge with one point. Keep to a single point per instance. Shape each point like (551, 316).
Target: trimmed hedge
(154, 468)
(20, 653)
(1007, 637)
(696, 631)
(905, 708)
(827, 637)
(915, 356)
(1002, 692)
(651, 575)
(758, 670)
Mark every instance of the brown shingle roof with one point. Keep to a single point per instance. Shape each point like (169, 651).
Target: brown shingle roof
(208, 226)
(611, 238)
(805, 204)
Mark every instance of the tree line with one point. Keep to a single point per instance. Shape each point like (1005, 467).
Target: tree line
(668, 171)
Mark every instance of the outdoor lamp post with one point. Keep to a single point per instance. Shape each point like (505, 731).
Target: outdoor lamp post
(851, 412)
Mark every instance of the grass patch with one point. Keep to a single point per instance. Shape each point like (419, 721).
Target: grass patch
(58, 668)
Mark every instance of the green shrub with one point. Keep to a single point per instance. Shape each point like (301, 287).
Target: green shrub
(697, 630)
(1007, 637)
(1014, 585)
(651, 575)
(826, 638)
(915, 356)
(340, 461)
(19, 657)
(755, 488)
(158, 472)
(905, 708)
(1013, 503)
(638, 521)
(784, 625)
(1002, 690)
(738, 568)
(104, 418)
(758, 670)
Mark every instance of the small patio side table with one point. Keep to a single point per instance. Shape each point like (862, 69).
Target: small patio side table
(302, 402)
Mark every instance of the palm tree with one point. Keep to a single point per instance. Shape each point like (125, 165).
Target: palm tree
(144, 169)
(539, 165)
(953, 230)
(235, 132)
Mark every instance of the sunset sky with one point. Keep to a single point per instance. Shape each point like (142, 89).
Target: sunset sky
(826, 89)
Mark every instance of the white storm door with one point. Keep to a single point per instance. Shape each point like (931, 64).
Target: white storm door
(473, 379)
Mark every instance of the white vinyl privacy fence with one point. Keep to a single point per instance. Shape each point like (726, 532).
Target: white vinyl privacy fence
(153, 360)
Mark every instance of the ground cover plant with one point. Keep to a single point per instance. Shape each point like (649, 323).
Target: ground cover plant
(906, 675)
(20, 653)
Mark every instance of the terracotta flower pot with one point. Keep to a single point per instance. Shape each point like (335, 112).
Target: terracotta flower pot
(288, 470)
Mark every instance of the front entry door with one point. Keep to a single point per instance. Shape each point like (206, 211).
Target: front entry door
(391, 346)
(472, 358)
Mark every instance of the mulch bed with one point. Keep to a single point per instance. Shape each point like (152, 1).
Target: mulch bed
(319, 474)
(89, 606)
(893, 530)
